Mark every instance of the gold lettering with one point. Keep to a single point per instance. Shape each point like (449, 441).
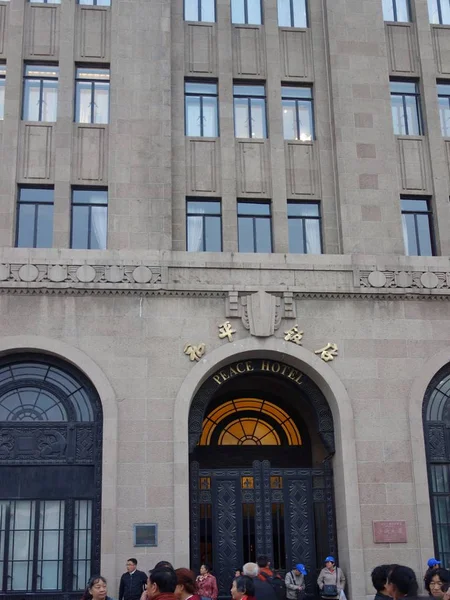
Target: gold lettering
(265, 366)
(232, 371)
(276, 367)
(240, 369)
(292, 373)
(249, 365)
(283, 370)
(298, 378)
(224, 375)
(217, 379)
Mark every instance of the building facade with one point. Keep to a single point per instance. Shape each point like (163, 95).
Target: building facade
(225, 284)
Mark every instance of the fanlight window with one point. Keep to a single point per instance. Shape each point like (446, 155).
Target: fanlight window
(33, 391)
(249, 422)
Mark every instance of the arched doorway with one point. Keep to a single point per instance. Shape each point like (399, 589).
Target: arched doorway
(260, 438)
(50, 468)
(436, 420)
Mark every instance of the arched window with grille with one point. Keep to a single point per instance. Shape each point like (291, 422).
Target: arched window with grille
(50, 469)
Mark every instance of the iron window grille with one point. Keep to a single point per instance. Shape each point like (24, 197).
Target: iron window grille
(292, 13)
(397, 11)
(92, 95)
(304, 225)
(406, 112)
(89, 219)
(201, 109)
(254, 227)
(246, 12)
(34, 218)
(204, 225)
(250, 111)
(417, 227)
(439, 12)
(298, 113)
(200, 10)
(2, 90)
(40, 93)
(444, 107)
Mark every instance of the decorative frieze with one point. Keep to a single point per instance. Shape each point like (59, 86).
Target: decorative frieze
(426, 280)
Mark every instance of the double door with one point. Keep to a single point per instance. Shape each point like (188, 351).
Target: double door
(239, 514)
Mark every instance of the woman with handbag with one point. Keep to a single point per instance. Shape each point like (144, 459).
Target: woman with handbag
(295, 582)
(331, 580)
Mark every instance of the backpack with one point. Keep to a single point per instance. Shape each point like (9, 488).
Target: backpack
(278, 585)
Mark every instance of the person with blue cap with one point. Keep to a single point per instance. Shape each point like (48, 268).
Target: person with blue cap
(331, 580)
(295, 582)
(433, 564)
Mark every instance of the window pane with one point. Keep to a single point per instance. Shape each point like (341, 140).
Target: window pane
(412, 116)
(398, 117)
(25, 226)
(200, 88)
(191, 10)
(213, 234)
(35, 195)
(202, 207)
(254, 12)
(423, 228)
(44, 237)
(83, 102)
(245, 234)
(403, 87)
(80, 226)
(45, 71)
(99, 227)
(195, 234)
(445, 10)
(444, 115)
(193, 116)
(208, 11)
(49, 101)
(258, 107)
(302, 209)
(289, 120)
(31, 100)
(241, 118)
(263, 235)
(409, 235)
(210, 117)
(388, 10)
(101, 103)
(305, 120)
(284, 13)
(414, 205)
(103, 2)
(296, 92)
(82, 543)
(253, 208)
(403, 11)
(313, 241)
(90, 197)
(237, 11)
(300, 18)
(2, 99)
(296, 241)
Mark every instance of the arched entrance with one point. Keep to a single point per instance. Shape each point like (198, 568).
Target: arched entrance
(261, 438)
(50, 467)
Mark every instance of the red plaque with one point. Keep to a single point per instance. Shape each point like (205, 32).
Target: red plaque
(389, 532)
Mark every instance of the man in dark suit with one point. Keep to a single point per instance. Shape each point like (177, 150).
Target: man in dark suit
(132, 583)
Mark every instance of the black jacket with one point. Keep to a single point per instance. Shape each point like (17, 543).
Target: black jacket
(263, 590)
(132, 586)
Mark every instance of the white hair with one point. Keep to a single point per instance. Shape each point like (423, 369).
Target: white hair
(250, 569)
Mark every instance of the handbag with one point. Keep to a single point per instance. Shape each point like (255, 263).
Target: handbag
(330, 590)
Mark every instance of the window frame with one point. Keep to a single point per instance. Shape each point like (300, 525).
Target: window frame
(204, 216)
(92, 81)
(310, 100)
(2, 89)
(395, 11)
(447, 96)
(429, 213)
(292, 15)
(246, 22)
(44, 1)
(249, 98)
(199, 12)
(201, 95)
(417, 96)
(303, 219)
(439, 10)
(89, 205)
(36, 205)
(41, 80)
(254, 217)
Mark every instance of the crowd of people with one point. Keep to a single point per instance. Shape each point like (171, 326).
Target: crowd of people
(257, 581)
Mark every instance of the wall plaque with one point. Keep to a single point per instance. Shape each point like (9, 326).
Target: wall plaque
(389, 532)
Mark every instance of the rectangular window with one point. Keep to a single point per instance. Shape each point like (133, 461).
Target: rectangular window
(50, 545)
(396, 10)
(92, 95)
(304, 228)
(254, 227)
(89, 219)
(45, 1)
(204, 225)
(292, 13)
(417, 227)
(2, 90)
(246, 12)
(40, 95)
(405, 103)
(444, 107)
(439, 11)
(34, 218)
(201, 113)
(82, 543)
(298, 120)
(200, 10)
(95, 2)
(249, 111)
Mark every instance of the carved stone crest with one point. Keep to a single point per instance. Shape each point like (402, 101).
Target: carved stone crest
(261, 312)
